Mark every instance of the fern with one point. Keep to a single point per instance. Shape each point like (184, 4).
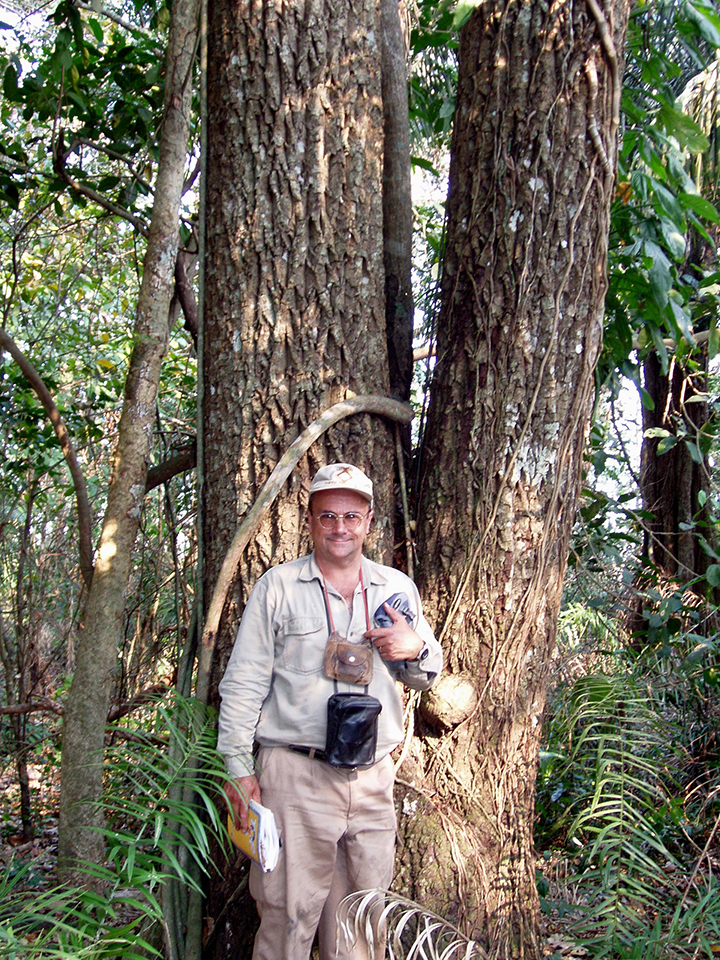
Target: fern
(72, 924)
(160, 800)
(162, 777)
(617, 734)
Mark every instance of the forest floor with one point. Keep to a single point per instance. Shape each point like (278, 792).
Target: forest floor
(29, 865)
(34, 858)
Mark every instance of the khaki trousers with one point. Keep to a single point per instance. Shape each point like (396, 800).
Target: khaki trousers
(338, 835)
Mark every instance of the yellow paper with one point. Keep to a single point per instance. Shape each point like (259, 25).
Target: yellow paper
(260, 841)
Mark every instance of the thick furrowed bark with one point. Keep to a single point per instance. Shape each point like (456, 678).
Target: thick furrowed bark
(520, 330)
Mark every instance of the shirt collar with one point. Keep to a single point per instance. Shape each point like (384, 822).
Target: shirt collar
(371, 572)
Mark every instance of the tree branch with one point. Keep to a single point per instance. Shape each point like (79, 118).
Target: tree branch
(37, 706)
(140, 700)
(83, 507)
(45, 705)
(60, 156)
(422, 353)
(114, 155)
(182, 461)
(186, 295)
(114, 18)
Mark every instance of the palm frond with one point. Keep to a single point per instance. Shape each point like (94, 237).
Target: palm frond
(387, 921)
(618, 735)
(160, 800)
(162, 780)
(66, 923)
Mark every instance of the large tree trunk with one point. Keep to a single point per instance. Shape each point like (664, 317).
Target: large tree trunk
(531, 179)
(294, 293)
(79, 839)
(397, 201)
(671, 482)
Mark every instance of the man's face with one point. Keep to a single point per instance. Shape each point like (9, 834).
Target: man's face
(339, 544)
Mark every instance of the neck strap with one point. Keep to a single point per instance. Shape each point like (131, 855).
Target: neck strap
(326, 597)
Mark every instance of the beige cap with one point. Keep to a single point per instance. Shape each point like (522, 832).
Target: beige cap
(342, 476)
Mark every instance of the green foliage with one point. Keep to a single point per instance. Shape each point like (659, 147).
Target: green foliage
(659, 285)
(100, 86)
(618, 735)
(433, 81)
(68, 288)
(81, 110)
(163, 776)
(72, 924)
(162, 784)
(610, 792)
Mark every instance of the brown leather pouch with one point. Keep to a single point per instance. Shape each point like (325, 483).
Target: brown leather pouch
(348, 662)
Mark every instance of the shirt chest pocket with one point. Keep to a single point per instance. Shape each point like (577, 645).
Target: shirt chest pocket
(301, 644)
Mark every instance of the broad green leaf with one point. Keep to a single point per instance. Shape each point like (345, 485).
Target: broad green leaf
(10, 83)
(423, 164)
(646, 399)
(66, 58)
(95, 28)
(463, 12)
(674, 238)
(63, 39)
(681, 320)
(659, 274)
(11, 194)
(653, 432)
(699, 226)
(707, 549)
(701, 650)
(694, 451)
(676, 168)
(655, 162)
(701, 206)
(107, 183)
(714, 339)
(712, 574)
(683, 128)
(641, 182)
(666, 444)
(667, 203)
(705, 18)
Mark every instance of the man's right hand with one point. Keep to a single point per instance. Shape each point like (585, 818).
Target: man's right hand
(239, 793)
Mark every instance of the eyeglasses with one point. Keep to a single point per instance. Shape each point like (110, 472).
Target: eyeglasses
(329, 520)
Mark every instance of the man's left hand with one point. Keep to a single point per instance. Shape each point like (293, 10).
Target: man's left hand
(398, 642)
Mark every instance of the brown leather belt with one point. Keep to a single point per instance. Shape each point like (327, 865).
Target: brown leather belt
(311, 752)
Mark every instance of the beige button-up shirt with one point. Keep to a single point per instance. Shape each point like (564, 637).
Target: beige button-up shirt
(274, 690)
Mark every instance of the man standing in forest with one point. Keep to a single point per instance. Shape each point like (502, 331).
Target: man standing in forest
(311, 679)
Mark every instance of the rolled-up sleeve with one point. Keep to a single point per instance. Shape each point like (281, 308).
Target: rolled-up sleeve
(420, 674)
